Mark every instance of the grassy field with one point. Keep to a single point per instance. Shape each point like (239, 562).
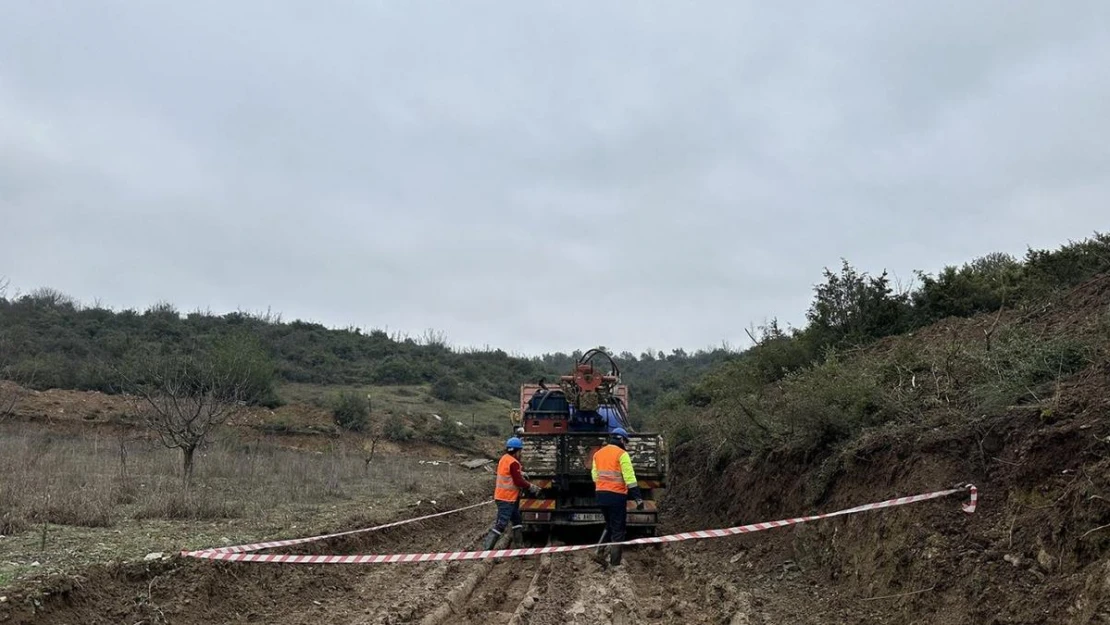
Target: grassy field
(68, 500)
(82, 482)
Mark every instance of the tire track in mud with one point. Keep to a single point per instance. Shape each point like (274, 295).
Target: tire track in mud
(411, 593)
(571, 589)
(555, 591)
(517, 591)
(494, 597)
(452, 602)
(405, 597)
(501, 592)
(577, 589)
(524, 609)
(652, 586)
(554, 588)
(672, 586)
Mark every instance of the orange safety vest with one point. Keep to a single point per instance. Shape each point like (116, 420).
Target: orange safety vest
(609, 476)
(505, 489)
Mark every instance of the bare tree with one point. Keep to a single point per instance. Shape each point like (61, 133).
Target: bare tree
(184, 398)
(374, 430)
(124, 436)
(10, 395)
(355, 413)
(11, 392)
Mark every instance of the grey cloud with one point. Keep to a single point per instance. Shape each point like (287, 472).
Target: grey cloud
(477, 166)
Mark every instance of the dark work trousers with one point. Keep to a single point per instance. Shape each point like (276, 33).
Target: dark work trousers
(614, 509)
(507, 512)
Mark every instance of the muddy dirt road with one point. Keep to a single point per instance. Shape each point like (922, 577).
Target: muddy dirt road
(687, 583)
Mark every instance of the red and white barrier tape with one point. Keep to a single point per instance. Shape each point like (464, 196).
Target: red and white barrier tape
(968, 507)
(301, 541)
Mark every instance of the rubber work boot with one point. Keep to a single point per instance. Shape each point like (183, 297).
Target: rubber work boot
(599, 556)
(615, 555)
(518, 538)
(490, 540)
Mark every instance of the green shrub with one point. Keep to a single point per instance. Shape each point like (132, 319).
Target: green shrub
(448, 388)
(396, 370)
(1018, 365)
(351, 411)
(447, 432)
(852, 308)
(828, 404)
(983, 285)
(1047, 272)
(394, 429)
(445, 388)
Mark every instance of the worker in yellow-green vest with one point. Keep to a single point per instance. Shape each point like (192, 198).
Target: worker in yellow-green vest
(614, 484)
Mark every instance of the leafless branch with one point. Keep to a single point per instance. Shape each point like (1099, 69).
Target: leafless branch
(990, 332)
(10, 394)
(904, 594)
(751, 417)
(1095, 530)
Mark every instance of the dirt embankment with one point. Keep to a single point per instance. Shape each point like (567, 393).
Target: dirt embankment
(1036, 551)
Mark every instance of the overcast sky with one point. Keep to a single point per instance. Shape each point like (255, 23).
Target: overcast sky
(539, 175)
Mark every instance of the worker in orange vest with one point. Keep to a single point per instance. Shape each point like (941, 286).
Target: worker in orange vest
(614, 484)
(506, 492)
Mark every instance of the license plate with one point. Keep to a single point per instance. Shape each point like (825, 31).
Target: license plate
(586, 516)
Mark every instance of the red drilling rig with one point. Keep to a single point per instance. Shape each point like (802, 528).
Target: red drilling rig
(563, 427)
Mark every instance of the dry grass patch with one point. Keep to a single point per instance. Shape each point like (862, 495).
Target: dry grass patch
(67, 500)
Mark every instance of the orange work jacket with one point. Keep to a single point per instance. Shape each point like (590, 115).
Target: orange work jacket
(505, 489)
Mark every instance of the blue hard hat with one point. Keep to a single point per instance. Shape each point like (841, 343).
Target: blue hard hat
(619, 432)
(514, 443)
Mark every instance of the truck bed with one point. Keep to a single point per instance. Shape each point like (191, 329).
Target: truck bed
(569, 454)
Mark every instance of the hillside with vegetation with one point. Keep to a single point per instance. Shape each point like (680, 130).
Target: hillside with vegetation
(832, 369)
(995, 373)
(49, 340)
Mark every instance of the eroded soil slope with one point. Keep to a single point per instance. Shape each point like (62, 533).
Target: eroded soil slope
(1037, 550)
